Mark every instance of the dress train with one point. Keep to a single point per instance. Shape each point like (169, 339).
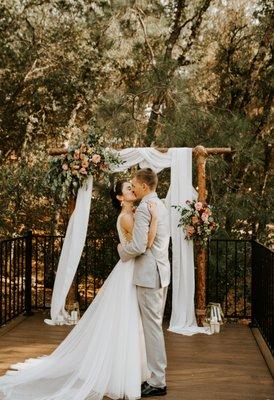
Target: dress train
(103, 355)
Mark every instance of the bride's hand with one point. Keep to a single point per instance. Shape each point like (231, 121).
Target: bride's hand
(152, 208)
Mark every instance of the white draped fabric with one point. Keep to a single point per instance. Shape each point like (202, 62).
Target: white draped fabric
(71, 251)
(183, 319)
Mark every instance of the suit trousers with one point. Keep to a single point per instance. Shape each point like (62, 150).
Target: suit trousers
(152, 305)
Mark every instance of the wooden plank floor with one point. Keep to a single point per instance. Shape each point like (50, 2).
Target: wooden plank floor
(225, 366)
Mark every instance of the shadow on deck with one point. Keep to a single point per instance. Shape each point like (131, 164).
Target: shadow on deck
(225, 366)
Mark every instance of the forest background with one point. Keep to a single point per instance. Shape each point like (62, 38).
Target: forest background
(139, 73)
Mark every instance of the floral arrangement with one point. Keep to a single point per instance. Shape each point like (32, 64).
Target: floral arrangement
(197, 220)
(68, 172)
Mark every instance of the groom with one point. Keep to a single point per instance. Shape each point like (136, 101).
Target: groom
(151, 276)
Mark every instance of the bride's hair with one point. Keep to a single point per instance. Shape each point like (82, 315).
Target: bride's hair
(117, 190)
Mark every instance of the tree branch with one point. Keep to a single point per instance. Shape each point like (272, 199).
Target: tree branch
(152, 57)
(176, 30)
(197, 18)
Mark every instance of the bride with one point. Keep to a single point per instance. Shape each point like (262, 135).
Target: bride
(104, 355)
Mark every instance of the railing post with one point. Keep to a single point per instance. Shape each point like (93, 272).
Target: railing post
(28, 272)
(253, 294)
(1, 284)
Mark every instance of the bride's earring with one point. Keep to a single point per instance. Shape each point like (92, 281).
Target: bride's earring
(122, 203)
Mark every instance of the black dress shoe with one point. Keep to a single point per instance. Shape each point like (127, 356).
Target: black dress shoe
(144, 385)
(150, 391)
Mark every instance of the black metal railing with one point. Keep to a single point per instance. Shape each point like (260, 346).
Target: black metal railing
(98, 259)
(263, 292)
(15, 277)
(229, 276)
(229, 272)
(28, 266)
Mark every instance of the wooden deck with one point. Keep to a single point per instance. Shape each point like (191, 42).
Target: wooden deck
(225, 366)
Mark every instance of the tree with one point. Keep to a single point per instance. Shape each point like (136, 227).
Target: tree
(175, 73)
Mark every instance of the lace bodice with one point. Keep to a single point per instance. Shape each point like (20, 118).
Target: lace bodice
(123, 235)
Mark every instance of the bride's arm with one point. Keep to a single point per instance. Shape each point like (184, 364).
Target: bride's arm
(153, 224)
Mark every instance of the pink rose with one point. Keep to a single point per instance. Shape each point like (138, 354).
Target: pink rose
(96, 158)
(83, 171)
(190, 230)
(204, 216)
(65, 167)
(198, 206)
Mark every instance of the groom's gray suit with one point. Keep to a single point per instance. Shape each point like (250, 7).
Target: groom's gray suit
(152, 277)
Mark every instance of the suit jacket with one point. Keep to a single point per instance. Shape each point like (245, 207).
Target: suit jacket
(149, 262)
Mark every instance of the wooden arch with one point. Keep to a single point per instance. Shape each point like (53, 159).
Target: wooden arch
(200, 153)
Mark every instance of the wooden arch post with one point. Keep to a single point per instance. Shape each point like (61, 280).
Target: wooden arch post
(201, 156)
(72, 297)
(201, 153)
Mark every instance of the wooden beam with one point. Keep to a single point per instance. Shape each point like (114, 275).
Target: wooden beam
(210, 150)
(58, 151)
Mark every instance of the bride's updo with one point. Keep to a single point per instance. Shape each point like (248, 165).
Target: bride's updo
(117, 190)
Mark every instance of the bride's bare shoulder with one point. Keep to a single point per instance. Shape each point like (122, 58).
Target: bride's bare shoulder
(127, 221)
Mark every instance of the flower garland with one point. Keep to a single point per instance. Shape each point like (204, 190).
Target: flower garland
(68, 172)
(197, 221)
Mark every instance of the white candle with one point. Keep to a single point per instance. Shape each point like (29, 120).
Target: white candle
(74, 315)
(218, 314)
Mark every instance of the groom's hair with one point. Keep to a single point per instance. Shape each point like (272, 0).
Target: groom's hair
(146, 175)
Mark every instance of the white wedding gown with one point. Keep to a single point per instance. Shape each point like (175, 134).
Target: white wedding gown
(104, 355)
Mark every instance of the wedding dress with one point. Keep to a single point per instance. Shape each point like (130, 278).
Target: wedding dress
(104, 355)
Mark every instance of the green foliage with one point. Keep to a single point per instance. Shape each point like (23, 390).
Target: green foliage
(25, 200)
(140, 73)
